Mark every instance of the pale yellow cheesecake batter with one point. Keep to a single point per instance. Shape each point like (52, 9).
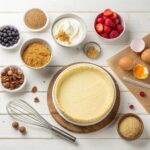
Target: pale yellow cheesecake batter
(85, 93)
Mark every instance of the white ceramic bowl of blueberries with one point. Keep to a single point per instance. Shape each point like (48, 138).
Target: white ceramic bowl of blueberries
(10, 37)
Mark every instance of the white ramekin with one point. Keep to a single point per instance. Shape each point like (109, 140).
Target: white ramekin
(19, 88)
(57, 105)
(40, 29)
(30, 41)
(13, 47)
(70, 16)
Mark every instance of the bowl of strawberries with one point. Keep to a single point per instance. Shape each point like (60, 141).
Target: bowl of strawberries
(109, 25)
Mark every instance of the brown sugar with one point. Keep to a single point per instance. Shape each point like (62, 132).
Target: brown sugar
(35, 19)
(36, 55)
(63, 36)
(130, 127)
(92, 52)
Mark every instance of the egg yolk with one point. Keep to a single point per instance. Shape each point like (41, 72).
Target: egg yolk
(140, 72)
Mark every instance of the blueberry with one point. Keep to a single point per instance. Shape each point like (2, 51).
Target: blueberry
(7, 45)
(7, 28)
(15, 30)
(10, 37)
(16, 34)
(3, 43)
(5, 40)
(9, 34)
(13, 33)
(8, 31)
(17, 37)
(16, 41)
(11, 28)
(10, 42)
(5, 34)
(4, 31)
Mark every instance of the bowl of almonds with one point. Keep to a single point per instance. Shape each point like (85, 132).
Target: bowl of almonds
(12, 78)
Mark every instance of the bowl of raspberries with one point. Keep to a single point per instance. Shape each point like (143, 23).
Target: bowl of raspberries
(109, 25)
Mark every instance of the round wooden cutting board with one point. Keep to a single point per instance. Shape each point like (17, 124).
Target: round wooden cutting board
(75, 128)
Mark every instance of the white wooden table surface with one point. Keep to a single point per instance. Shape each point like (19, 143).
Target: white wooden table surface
(136, 14)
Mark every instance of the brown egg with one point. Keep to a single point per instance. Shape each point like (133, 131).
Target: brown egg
(145, 56)
(126, 63)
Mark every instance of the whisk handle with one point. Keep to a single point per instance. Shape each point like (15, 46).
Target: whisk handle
(63, 134)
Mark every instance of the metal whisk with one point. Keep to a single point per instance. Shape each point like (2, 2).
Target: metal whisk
(22, 111)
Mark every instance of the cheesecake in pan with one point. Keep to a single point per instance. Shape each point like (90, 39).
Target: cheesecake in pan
(84, 93)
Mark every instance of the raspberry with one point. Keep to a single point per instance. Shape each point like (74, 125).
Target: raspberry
(131, 106)
(113, 34)
(119, 28)
(109, 22)
(142, 94)
(107, 29)
(105, 35)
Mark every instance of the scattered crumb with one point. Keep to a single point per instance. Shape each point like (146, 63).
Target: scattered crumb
(34, 89)
(36, 100)
(22, 129)
(15, 125)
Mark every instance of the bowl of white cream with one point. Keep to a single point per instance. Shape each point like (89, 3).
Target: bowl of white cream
(69, 30)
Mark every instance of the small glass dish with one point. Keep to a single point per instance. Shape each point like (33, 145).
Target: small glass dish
(92, 50)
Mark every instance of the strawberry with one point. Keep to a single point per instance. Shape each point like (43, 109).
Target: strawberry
(107, 29)
(109, 22)
(117, 21)
(100, 20)
(101, 15)
(99, 28)
(105, 35)
(119, 28)
(114, 16)
(107, 12)
(104, 17)
(113, 34)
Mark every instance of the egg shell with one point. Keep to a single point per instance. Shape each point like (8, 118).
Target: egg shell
(145, 56)
(137, 45)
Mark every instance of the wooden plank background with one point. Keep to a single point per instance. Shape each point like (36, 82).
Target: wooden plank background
(136, 14)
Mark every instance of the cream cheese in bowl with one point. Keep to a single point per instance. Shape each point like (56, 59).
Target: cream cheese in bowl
(69, 30)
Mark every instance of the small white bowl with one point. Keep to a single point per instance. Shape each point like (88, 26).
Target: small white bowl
(137, 45)
(13, 47)
(118, 37)
(21, 86)
(30, 41)
(40, 29)
(70, 16)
